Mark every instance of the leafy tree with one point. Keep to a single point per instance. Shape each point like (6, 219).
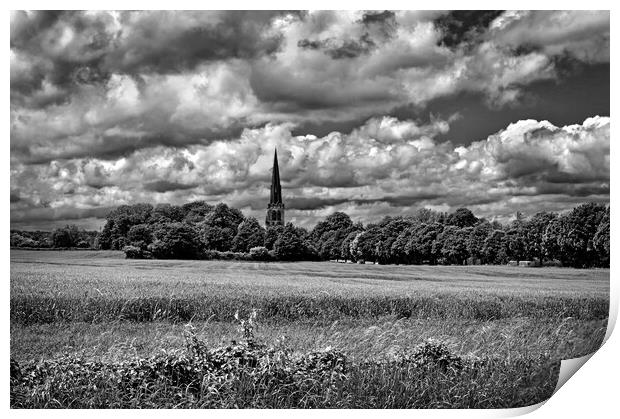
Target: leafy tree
(516, 240)
(462, 217)
(220, 227)
(119, 243)
(33, 238)
(67, 236)
(354, 249)
(196, 211)
(601, 240)
(399, 246)
(345, 247)
(335, 221)
(454, 244)
(167, 213)
(582, 224)
(550, 240)
(118, 223)
(367, 242)
(290, 244)
(494, 248)
(497, 225)
(176, 241)
(140, 235)
(429, 216)
(327, 236)
(17, 240)
(249, 234)
(477, 238)
(423, 245)
(104, 239)
(570, 238)
(329, 248)
(390, 230)
(534, 232)
(271, 235)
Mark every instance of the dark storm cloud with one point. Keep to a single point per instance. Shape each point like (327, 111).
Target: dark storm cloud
(289, 93)
(340, 49)
(463, 26)
(309, 204)
(111, 147)
(386, 20)
(404, 200)
(571, 190)
(52, 214)
(62, 48)
(168, 42)
(165, 186)
(144, 42)
(382, 24)
(55, 53)
(304, 203)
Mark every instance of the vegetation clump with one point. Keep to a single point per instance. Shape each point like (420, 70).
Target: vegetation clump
(251, 374)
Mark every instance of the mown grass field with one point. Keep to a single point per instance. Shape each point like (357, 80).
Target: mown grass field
(99, 307)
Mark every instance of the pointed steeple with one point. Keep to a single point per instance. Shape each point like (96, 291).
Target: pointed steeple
(276, 189)
(275, 209)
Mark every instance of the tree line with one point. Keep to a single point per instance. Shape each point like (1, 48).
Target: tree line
(66, 237)
(197, 230)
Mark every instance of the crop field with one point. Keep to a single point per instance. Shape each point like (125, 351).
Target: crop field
(342, 335)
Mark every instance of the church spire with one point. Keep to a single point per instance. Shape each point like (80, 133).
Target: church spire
(276, 189)
(275, 209)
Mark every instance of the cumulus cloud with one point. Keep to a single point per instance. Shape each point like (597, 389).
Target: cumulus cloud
(118, 107)
(385, 163)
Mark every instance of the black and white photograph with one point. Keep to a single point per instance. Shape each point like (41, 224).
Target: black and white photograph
(306, 209)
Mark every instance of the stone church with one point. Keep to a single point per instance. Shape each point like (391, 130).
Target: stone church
(275, 209)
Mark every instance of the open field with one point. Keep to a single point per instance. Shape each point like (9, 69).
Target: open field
(102, 286)
(519, 322)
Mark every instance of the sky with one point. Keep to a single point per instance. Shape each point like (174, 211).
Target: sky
(373, 113)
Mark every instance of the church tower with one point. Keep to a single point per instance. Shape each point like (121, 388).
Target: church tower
(275, 209)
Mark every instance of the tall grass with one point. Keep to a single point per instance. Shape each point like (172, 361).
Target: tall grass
(252, 375)
(33, 309)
